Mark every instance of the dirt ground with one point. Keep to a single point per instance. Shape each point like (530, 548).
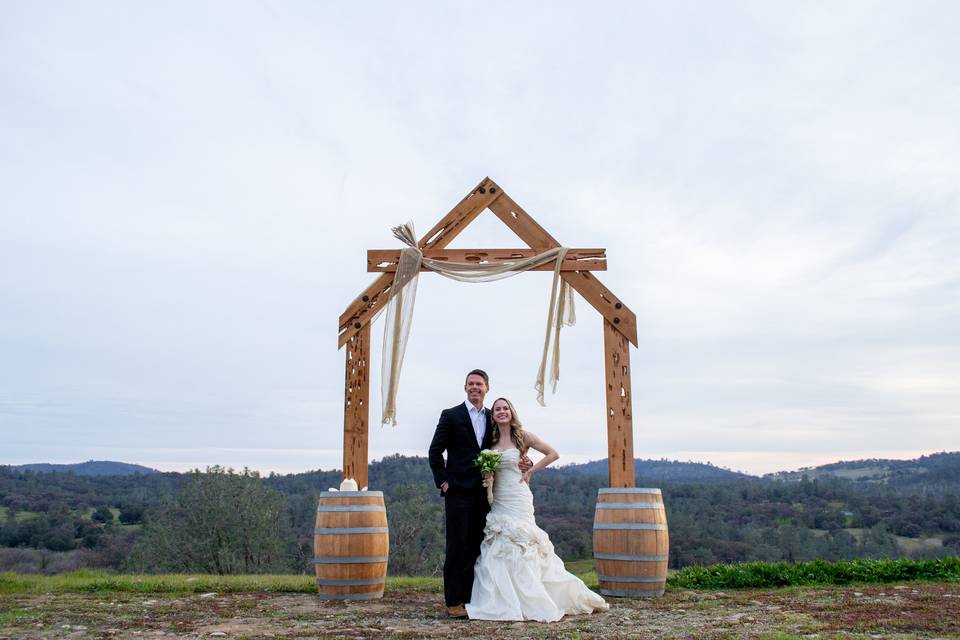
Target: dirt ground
(889, 611)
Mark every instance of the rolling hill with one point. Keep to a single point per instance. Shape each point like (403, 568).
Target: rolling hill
(90, 468)
(935, 471)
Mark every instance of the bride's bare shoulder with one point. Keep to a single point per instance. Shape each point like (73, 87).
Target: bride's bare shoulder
(530, 438)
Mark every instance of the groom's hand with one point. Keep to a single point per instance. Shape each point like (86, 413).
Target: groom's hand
(444, 487)
(525, 465)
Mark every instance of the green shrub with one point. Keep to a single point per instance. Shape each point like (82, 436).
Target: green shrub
(759, 575)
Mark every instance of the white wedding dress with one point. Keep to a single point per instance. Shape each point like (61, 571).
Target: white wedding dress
(518, 576)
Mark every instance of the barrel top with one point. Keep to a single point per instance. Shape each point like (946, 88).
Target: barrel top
(351, 494)
(629, 490)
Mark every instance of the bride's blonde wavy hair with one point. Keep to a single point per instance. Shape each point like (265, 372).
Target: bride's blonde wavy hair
(516, 427)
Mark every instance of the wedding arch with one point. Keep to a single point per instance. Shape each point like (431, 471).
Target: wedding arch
(630, 531)
(619, 322)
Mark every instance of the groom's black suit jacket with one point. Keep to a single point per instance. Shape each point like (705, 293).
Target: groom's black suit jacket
(455, 435)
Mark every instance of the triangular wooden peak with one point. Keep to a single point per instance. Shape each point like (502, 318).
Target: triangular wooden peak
(488, 195)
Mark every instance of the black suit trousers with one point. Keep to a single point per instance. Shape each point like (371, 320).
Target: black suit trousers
(466, 515)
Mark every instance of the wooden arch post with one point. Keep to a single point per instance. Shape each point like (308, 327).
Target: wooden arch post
(619, 331)
(356, 407)
(616, 370)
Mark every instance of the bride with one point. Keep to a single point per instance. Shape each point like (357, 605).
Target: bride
(518, 576)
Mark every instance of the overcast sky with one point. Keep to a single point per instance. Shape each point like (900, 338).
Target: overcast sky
(188, 190)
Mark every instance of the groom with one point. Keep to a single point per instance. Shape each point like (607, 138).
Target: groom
(462, 432)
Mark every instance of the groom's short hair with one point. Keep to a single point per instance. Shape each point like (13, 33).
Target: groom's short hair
(478, 372)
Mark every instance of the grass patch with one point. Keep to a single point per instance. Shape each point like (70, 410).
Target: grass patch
(86, 581)
(753, 575)
(913, 545)
(760, 575)
(414, 583)
(584, 569)
(20, 516)
(863, 473)
(578, 567)
(16, 616)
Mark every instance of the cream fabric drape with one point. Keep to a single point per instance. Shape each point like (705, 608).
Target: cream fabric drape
(398, 313)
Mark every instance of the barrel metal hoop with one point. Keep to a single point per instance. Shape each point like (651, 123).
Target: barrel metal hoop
(630, 593)
(629, 558)
(603, 578)
(349, 559)
(333, 531)
(629, 525)
(351, 494)
(629, 490)
(351, 507)
(630, 505)
(332, 582)
(373, 595)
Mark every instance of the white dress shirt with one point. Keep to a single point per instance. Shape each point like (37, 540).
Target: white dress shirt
(479, 420)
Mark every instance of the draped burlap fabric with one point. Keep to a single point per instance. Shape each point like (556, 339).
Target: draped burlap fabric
(398, 313)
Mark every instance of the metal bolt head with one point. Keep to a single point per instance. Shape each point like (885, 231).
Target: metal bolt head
(357, 325)
(618, 306)
(365, 298)
(482, 190)
(616, 321)
(493, 189)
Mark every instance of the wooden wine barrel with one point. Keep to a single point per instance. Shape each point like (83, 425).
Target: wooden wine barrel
(351, 542)
(630, 542)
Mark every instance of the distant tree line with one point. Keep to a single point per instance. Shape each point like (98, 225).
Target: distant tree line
(221, 521)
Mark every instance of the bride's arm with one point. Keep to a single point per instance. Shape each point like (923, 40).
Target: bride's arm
(536, 443)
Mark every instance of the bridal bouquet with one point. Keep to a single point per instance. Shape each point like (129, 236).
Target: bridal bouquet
(487, 462)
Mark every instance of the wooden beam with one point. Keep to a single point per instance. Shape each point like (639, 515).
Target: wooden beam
(385, 260)
(592, 290)
(356, 407)
(461, 215)
(610, 307)
(365, 306)
(523, 224)
(616, 358)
